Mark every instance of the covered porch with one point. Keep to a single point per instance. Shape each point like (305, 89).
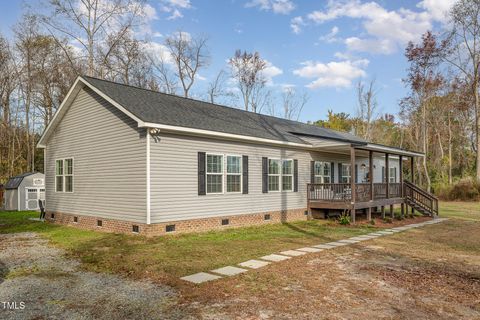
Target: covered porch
(366, 193)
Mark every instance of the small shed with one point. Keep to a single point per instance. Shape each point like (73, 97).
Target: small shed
(22, 192)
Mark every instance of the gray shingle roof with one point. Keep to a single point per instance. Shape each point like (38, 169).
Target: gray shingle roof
(167, 109)
(15, 181)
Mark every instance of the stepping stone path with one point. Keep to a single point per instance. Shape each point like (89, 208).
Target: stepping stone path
(200, 277)
(275, 257)
(310, 249)
(293, 253)
(288, 254)
(254, 264)
(229, 271)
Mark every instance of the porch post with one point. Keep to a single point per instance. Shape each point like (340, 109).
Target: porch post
(412, 176)
(387, 176)
(400, 168)
(352, 181)
(370, 174)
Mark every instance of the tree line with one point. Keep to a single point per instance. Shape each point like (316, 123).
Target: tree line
(51, 46)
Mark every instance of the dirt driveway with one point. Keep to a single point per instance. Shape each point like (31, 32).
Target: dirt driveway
(54, 287)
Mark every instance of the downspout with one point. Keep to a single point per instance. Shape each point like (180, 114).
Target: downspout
(148, 175)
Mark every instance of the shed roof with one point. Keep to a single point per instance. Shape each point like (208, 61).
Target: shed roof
(14, 182)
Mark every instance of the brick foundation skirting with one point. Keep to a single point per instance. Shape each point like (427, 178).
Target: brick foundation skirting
(182, 226)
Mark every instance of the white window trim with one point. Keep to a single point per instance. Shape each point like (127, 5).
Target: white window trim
(233, 174)
(349, 180)
(215, 174)
(394, 176)
(287, 175)
(279, 175)
(322, 171)
(65, 175)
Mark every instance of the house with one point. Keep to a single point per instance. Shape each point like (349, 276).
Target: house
(124, 159)
(22, 192)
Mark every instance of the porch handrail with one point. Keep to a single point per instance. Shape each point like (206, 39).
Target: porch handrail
(342, 191)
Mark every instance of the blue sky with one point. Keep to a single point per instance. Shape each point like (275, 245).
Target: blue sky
(322, 47)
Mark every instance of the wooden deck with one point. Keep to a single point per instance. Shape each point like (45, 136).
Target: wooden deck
(339, 195)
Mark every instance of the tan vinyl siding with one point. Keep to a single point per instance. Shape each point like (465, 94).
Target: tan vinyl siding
(174, 194)
(109, 155)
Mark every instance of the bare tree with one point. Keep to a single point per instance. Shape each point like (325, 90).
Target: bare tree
(247, 69)
(166, 80)
(293, 103)
(465, 56)
(367, 106)
(90, 23)
(189, 54)
(217, 89)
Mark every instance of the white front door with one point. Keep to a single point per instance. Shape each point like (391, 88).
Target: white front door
(32, 195)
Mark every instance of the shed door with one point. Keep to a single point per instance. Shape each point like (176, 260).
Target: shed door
(32, 195)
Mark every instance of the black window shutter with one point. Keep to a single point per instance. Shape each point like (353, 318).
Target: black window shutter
(312, 171)
(264, 175)
(332, 172)
(295, 175)
(383, 174)
(201, 174)
(245, 174)
(340, 174)
(356, 173)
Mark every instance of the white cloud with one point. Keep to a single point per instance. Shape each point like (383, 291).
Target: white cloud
(175, 7)
(333, 74)
(383, 46)
(438, 9)
(271, 71)
(386, 30)
(277, 6)
(330, 37)
(296, 24)
(158, 51)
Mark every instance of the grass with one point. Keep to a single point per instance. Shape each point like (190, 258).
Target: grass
(174, 256)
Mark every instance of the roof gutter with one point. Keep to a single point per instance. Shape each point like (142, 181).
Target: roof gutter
(222, 135)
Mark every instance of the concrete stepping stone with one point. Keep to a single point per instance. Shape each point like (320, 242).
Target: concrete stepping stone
(348, 241)
(376, 234)
(359, 238)
(229, 270)
(254, 264)
(324, 246)
(275, 257)
(200, 277)
(337, 244)
(386, 232)
(310, 249)
(293, 253)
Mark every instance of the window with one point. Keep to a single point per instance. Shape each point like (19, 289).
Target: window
(170, 228)
(287, 175)
(346, 173)
(322, 172)
(234, 174)
(64, 175)
(59, 175)
(392, 175)
(267, 217)
(214, 173)
(273, 175)
(135, 229)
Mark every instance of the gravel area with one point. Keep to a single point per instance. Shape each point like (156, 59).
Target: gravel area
(54, 287)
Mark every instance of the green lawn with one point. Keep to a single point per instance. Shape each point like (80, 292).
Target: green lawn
(173, 256)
